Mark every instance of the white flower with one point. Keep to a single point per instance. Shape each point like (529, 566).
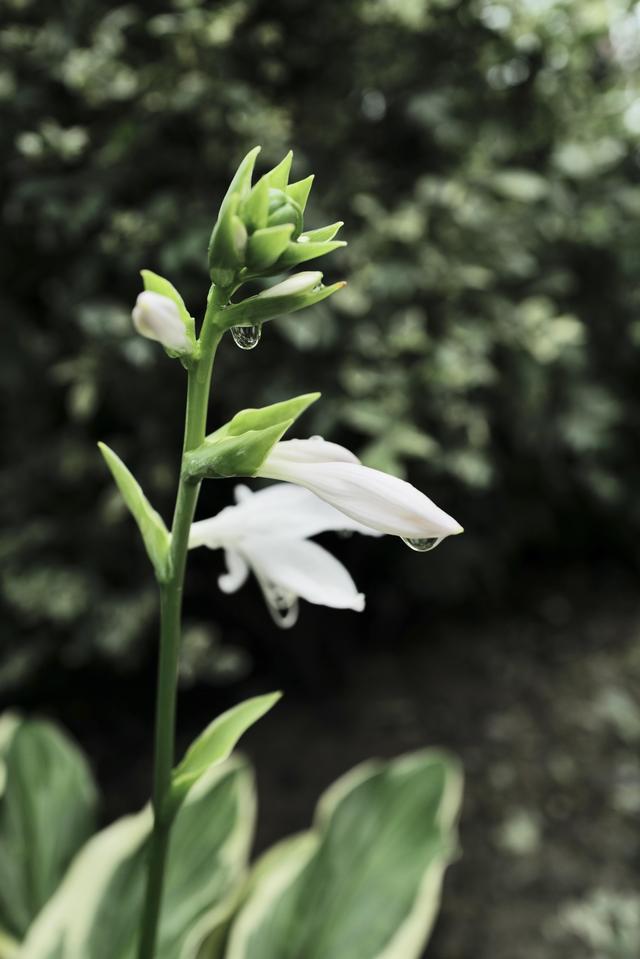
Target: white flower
(268, 532)
(158, 318)
(367, 496)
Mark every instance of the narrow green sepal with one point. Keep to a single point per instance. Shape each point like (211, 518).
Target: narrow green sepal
(230, 240)
(217, 742)
(241, 182)
(254, 209)
(260, 308)
(228, 456)
(323, 233)
(265, 246)
(158, 284)
(239, 187)
(265, 416)
(155, 535)
(296, 253)
(299, 191)
(279, 176)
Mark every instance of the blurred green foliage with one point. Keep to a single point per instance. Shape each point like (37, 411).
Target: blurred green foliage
(484, 157)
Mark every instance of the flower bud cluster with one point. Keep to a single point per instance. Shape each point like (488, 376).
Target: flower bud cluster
(260, 228)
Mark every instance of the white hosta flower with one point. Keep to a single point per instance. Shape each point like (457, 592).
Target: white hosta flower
(367, 496)
(267, 532)
(158, 318)
(298, 283)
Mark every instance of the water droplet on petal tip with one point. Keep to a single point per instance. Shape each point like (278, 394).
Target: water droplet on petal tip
(422, 545)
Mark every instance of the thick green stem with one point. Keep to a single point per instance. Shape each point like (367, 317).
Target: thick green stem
(199, 385)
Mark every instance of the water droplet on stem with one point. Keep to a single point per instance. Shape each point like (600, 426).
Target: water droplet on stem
(246, 337)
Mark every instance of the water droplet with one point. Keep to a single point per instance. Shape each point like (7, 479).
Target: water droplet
(246, 337)
(423, 545)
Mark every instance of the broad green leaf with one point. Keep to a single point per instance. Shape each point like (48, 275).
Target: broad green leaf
(218, 740)
(297, 252)
(240, 447)
(96, 912)
(233, 455)
(364, 883)
(157, 284)
(266, 306)
(154, 533)
(47, 811)
(299, 191)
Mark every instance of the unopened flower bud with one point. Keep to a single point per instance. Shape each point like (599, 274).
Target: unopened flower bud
(298, 283)
(158, 318)
(283, 210)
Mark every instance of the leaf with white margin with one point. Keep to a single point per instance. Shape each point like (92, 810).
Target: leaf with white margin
(365, 882)
(96, 912)
(47, 811)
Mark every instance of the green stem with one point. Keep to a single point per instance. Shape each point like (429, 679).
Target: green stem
(199, 385)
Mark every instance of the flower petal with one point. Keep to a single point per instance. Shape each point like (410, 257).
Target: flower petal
(237, 572)
(312, 450)
(375, 499)
(302, 568)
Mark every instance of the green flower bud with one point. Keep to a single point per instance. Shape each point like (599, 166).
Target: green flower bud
(283, 209)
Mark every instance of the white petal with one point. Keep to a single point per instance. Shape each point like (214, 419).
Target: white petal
(298, 283)
(368, 496)
(313, 450)
(303, 569)
(236, 575)
(281, 510)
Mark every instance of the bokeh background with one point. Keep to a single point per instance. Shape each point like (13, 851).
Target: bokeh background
(484, 156)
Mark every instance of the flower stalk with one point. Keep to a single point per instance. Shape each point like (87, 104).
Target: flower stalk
(198, 391)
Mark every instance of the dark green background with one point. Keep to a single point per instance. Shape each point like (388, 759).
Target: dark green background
(484, 157)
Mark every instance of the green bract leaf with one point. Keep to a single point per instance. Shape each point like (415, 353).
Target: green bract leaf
(232, 455)
(297, 252)
(322, 233)
(265, 246)
(300, 190)
(217, 742)
(239, 188)
(228, 245)
(157, 284)
(255, 208)
(96, 912)
(365, 882)
(298, 291)
(47, 811)
(240, 447)
(154, 533)
(279, 176)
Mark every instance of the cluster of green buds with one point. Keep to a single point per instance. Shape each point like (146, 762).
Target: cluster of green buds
(259, 231)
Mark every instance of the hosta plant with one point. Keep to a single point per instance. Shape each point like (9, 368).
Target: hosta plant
(173, 881)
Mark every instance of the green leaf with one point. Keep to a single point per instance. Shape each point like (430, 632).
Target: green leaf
(239, 188)
(157, 284)
(267, 306)
(218, 740)
(365, 882)
(300, 190)
(297, 252)
(96, 912)
(233, 455)
(240, 447)
(322, 233)
(279, 176)
(265, 246)
(47, 811)
(255, 208)
(265, 416)
(155, 535)
(228, 246)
